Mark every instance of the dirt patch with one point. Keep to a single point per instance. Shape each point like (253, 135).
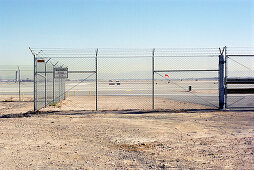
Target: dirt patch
(136, 147)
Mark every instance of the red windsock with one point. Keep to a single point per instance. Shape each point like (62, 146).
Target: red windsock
(166, 75)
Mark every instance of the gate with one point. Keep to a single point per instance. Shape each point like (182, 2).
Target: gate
(186, 78)
(239, 77)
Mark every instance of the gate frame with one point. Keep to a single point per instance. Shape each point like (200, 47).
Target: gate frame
(221, 79)
(220, 71)
(226, 75)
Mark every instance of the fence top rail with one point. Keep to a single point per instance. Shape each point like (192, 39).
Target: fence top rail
(129, 56)
(16, 70)
(184, 70)
(240, 51)
(240, 55)
(94, 49)
(125, 53)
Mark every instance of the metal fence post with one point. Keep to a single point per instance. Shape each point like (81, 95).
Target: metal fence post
(19, 82)
(221, 81)
(226, 76)
(53, 88)
(96, 70)
(54, 81)
(59, 90)
(45, 85)
(35, 90)
(35, 72)
(63, 87)
(153, 79)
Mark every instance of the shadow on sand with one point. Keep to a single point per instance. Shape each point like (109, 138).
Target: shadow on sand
(86, 112)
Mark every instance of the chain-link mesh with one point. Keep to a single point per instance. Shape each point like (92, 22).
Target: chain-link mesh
(117, 79)
(240, 77)
(125, 79)
(16, 83)
(49, 87)
(74, 92)
(186, 78)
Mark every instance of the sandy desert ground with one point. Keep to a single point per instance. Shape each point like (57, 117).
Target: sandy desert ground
(121, 103)
(199, 139)
(10, 104)
(121, 139)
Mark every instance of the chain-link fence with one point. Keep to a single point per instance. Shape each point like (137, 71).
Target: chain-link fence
(64, 74)
(186, 78)
(16, 83)
(120, 79)
(239, 77)
(50, 78)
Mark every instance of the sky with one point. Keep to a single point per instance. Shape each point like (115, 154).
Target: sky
(121, 24)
